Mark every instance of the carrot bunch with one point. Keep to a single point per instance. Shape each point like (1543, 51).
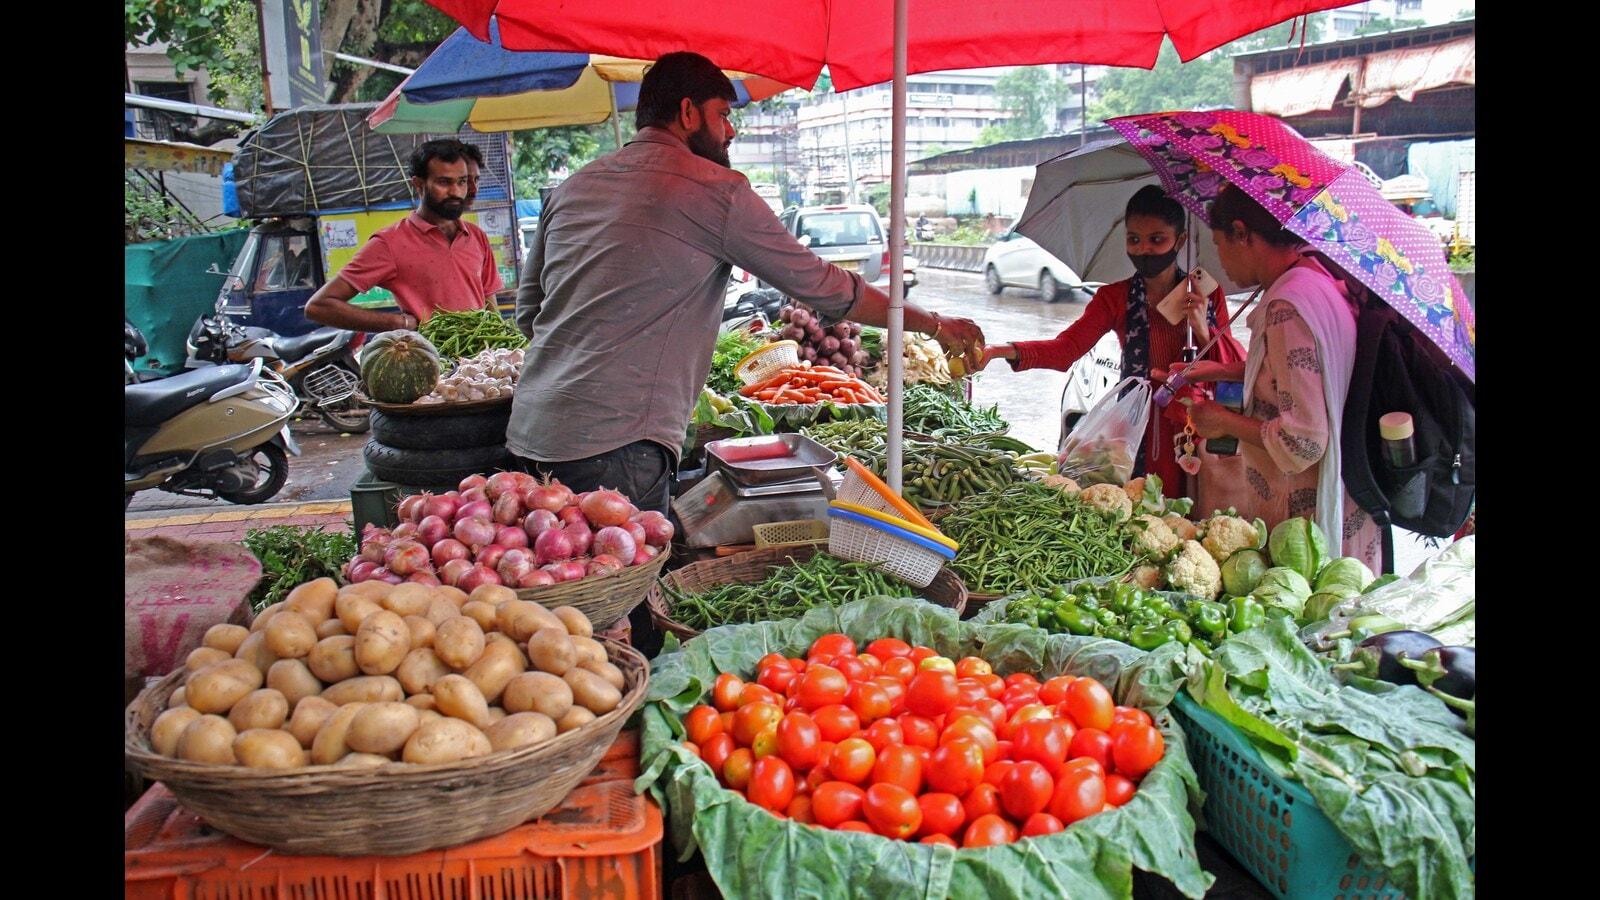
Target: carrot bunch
(807, 383)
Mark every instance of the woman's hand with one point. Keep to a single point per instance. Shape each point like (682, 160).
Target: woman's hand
(1194, 308)
(1199, 370)
(1211, 419)
(961, 337)
(993, 352)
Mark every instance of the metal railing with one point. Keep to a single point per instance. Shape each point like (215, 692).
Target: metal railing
(961, 257)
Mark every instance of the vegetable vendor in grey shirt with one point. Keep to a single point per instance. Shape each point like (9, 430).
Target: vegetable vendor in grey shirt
(621, 297)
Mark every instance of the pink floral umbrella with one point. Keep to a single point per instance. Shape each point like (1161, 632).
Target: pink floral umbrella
(1325, 201)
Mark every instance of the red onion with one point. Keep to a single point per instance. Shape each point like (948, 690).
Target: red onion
(374, 541)
(606, 507)
(450, 573)
(499, 483)
(489, 556)
(536, 578)
(615, 542)
(405, 556)
(514, 565)
(570, 514)
(552, 546)
(604, 564)
(574, 569)
(524, 482)
(509, 536)
(539, 521)
(443, 506)
(636, 531)
(548, 494)
(582, 538)
(478, 575)
(449, 549)
(555, 570)
(474, 495)
(658, 529)
(508, 509)
(431, 530)
(358, 570)
(472, 481)
(382, 574)
(404, 531)
(427, 578)
(475, 532)
(476, 509)
(644, 554)
(410, 509)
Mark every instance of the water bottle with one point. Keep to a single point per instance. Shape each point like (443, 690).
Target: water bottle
(1399, 449)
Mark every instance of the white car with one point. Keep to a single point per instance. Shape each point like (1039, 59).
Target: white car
(1016, 261)
(851, 237)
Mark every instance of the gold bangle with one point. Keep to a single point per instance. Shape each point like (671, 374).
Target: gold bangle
(938, 325)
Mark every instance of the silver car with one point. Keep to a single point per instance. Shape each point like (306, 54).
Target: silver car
(849, 236)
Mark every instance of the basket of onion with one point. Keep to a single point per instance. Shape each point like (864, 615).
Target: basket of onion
(837, 345)
(594, 551)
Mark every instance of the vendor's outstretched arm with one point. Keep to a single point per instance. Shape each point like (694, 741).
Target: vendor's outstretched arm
(954, 335)
(330, 305)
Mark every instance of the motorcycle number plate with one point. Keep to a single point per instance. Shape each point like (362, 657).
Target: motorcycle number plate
(288, 441)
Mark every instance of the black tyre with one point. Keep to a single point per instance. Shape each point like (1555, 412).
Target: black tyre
(1049, 288)
(274, 465)
(991, 280)
(349, 416)
(403, 466)
(468, 430)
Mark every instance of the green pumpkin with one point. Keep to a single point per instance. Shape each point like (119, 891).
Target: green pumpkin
(399, 367)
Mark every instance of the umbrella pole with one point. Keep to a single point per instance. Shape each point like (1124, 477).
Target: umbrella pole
(616, 124)
(897, 239)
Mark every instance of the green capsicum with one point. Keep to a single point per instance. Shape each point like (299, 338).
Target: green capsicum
(1058, 594)
(1208, 618)
(1244, 613)
(1076, 620)
(1147, 637)
(1114, 633)
(1177, 630)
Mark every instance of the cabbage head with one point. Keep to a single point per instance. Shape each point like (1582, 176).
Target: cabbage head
(1347, 571)
(1283, 587)
(1300, 545)
(1243, 571)
(1322, 603)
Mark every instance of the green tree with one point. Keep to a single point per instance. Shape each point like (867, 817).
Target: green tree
(1379, 26)
(219, 36)
(537, 152)
(991, 134)
(1032, 94)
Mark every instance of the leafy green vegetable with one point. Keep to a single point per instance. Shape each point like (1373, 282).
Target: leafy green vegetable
(733, 412)
(932, 411)
(1300, 545)
(1243, 571)
(1282, 587)
(1347, 571)
(752, 853)
(291, 555)
(732, 346)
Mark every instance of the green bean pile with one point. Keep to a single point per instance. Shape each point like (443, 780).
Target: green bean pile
(933, 474)
(933, 411)
(862, 438)
(787, 592)
(1029, 537)
(458, 335)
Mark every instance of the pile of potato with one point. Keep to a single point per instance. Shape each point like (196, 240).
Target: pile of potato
(373, 674)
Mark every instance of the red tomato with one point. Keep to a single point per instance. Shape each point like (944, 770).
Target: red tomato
(989, 831)
(996, 771)
(833, 802)
(1041, 823)
(852, 761)
(978, 730)
(1002, 750)
(1023, 714)
(896, 690)
(856, 825)
(752, 719)
(1023, 678)
(792, 704)
(1119, 789)
(924, 755)
(900, 667)
(931, 693)
(772, 784)
(727, 722)
(798, 664)
(837, 721)
(757, 693)
(822, 686)
(1026, 789)
(853, 668)
(693, 747)
(1083, 763)
(886, 649)
(892, 810)
(1091, 743)
(969, 691)
(737, 770)
(833, 644)
(993, 685)
(725, 691)
(799, 741)
(716, 749)
(941, 814)
(1017, 698)
(956, 767)
(968, 666)
(884, 733)
(766, 743)
(1044, 741)
(819, 773)
(899, 765)
(1090, 704)
(1124, 716)
(800, 809)
(993, 710)
(701, 723)
(982, 800)
(1079, 794)
(776, 676)
(918, 654)
(919, 731)
(769, 659)
(869, 701)
(874, 665)
(1137, 749)
(942, 839)
(1054, 691)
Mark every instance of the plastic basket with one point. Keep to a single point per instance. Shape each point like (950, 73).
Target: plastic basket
(790, 534)
(928, 533)
(1272, 826)
(912, 559)
(863, 488)
(768, 361)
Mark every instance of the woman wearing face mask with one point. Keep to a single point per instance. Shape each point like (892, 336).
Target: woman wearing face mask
(1155, 231)
(1302, 351)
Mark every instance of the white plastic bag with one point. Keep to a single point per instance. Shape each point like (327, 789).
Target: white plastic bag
(1102, 449)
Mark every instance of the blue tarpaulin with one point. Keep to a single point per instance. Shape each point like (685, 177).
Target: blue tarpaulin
(167, 285)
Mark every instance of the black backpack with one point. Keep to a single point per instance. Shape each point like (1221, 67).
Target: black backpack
(1398, 369)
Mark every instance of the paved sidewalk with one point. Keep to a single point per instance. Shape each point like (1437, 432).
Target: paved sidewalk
(231, 524)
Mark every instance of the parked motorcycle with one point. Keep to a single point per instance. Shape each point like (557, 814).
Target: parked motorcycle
(219, 431)
(320, 366)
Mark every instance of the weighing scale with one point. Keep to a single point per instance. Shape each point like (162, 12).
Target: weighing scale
(752, 481)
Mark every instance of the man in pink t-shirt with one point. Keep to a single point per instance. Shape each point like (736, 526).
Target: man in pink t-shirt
(430, 260)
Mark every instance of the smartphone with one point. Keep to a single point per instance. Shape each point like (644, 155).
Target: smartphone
(1171, 306)
(1231, 395)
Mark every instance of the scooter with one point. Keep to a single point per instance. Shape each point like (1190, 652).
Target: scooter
(221, 431)
(320, 366)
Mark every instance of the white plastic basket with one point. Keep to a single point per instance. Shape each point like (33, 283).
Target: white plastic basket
(768, 361)
(898, 552)
(861, 488)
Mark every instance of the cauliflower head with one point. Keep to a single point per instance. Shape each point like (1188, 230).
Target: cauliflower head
(1134, 489)
(1193, 571)
(1109, 499)
(1226, 535)
(1183, 528)
(1152, 539)
(1147, 578)
(1066, 484)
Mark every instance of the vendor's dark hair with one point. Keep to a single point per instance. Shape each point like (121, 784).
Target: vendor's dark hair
(1152, 201)
(674, 77)
(445, 150)
(1233, 205)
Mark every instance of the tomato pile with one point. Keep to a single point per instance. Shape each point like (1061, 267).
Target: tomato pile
(902, 742)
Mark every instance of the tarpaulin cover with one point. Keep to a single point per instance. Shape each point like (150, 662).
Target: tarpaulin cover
(1402, 73)
(318, 158)
(169, 284)
(1297, 91)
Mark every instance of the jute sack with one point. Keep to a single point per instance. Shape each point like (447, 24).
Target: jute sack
(174, 590)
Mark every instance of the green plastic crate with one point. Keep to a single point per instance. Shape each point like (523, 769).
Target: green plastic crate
(1272, 826)
(376, 501)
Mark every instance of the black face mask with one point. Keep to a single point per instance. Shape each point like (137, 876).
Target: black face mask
(1152, 264)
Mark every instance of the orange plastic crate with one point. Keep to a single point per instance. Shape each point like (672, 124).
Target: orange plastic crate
(603, 842)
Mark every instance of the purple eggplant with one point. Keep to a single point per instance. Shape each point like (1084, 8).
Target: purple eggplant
(1453, 670)
(1380, 656)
